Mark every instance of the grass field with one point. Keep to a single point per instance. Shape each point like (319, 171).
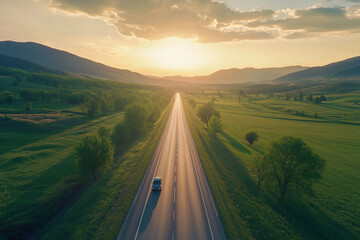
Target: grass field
(333, 213)
(41, 176)
(18, 133)
(101, 210)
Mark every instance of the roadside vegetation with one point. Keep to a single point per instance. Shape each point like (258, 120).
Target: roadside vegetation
(42, 117)
(248, 195)
(101, 210)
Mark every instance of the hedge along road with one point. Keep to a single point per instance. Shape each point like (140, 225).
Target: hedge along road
(184, 208)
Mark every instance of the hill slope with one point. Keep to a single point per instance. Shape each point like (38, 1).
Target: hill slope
(235, 75)
(346, 68)
(12, 62)
(67, 62)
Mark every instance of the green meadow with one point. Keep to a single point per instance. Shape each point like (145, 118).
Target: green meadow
(332, 130)
(41, 175)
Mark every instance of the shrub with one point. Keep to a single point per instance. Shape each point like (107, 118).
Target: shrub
(28, 106)
(251, 137)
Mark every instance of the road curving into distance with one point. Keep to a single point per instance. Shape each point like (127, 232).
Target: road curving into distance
(184, 208)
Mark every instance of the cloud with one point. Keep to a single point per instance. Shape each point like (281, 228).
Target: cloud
(315, 20)
(210, 21)
(297, 35)
(204, 20)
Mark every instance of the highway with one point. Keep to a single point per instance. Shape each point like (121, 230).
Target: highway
(184, 208)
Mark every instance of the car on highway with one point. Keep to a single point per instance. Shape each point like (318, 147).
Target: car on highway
(157, 184)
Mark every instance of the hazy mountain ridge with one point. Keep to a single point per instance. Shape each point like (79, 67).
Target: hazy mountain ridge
(235, 75)
(346, 68)
(68, 62)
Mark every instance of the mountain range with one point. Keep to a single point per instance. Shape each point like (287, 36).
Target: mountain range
(347, 68)
(67, 62)
(235, 75)
(38, 57)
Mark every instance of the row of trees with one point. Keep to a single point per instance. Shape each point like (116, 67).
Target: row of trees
(95, 103)
(94, 153)
(61, 95)
(310, 98)
(137, 119)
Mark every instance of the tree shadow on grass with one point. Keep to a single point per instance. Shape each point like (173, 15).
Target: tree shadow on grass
(314, 223)
(235, 143)
(54, 191)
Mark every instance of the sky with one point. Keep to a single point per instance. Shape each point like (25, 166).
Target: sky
(189, 37)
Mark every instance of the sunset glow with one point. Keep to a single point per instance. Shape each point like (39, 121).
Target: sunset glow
(176, 54)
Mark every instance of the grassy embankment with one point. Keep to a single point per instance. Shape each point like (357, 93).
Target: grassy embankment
(41, 176)
(333, 213)
(101, 210)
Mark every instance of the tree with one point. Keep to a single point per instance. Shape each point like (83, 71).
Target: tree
(90, 105)
(215, 125)
(154, 111)
(106, 105)
(241, 92)
(287, 97)
(28, 106)
(136, 118)
(251, 137)
(90, 108)
(257, 168)
(310, 97)
(323, 98)
(317, 100)
(121, 134)
(205, 112)
(94, 155)
(8, 97)
(301, 98)
(292, 167)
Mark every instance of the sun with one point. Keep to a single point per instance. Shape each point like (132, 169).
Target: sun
(175, 54)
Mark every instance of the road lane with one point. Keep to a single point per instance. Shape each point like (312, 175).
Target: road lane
(184, 209)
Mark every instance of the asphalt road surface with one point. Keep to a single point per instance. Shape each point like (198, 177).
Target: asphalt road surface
(184, 208)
